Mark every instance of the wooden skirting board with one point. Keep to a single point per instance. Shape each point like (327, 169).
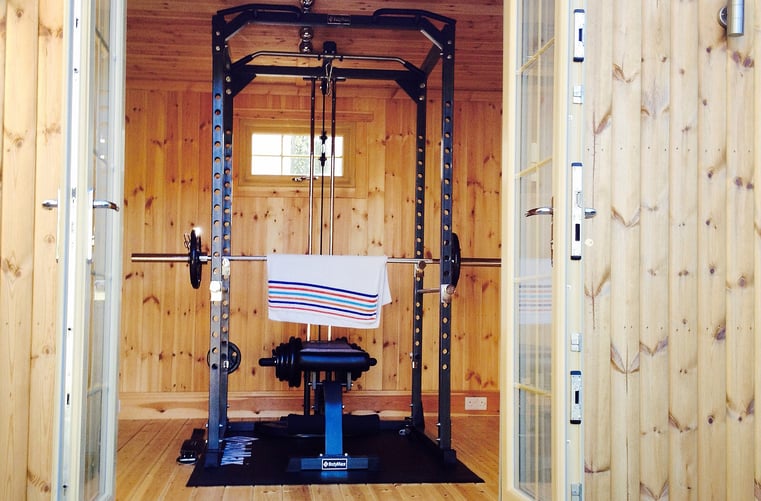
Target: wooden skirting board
(257, 405)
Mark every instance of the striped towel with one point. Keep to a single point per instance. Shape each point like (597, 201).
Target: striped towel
(343, 291)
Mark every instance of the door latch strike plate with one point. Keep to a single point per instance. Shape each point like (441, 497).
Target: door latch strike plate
(575, 397)
(578, 35)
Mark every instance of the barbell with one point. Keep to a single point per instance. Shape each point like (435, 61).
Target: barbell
(196, 258)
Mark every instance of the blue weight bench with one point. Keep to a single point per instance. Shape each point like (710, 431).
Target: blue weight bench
(333, 366)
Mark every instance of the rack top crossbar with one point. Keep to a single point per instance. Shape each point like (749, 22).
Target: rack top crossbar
(288, 14)
(389, 19)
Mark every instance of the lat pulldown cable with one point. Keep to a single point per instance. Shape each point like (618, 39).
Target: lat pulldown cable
(328, 87)
(311, 169)
(332, 157)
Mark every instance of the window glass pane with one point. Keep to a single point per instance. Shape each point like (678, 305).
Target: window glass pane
(267, 165)
(296, 166)
(545, 104)
(266, 144)
(295, 144)
(289, 155)
(534, 424)
(547, 26)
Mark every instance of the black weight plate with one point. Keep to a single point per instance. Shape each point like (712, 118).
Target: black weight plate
(194, 259)
(456, 259)
(233, 357)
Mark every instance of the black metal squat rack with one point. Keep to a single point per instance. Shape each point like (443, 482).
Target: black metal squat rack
(229, 78)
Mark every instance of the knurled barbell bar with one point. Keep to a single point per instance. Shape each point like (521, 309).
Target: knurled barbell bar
(196, 259)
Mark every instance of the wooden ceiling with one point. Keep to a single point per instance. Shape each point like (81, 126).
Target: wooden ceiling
(169, 41)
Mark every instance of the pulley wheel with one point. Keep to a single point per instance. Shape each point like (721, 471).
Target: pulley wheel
(194, 259)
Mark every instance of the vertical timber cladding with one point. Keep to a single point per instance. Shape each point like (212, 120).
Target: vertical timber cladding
(413, 80)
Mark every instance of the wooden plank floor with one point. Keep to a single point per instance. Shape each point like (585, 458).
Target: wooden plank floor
(146, 468)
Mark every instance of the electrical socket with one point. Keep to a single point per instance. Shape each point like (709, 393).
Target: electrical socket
(475, 403)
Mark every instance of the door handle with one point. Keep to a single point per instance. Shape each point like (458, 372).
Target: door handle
(97, 204)
(545, 211)
(539, 211)
(589, 212)
(105, 204)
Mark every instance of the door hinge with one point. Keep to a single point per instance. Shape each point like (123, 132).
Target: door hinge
(576, 492)
(578, 94)
(576, 341)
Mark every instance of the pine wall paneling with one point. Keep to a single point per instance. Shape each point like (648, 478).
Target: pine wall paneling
(49, 145)
(17, 248)
(682, 254)
(654, 263)
(711, 270)
(625, 249)
(598, 87)
(742, 238)
(31, 107)
(672, 307)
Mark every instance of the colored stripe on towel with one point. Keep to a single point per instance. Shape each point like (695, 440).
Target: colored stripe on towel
(321, 299)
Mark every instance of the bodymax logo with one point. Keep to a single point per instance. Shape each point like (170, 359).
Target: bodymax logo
(342, 20)
(335, 464)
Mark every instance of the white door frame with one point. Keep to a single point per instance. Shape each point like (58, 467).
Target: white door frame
(76, 246)
(567, 284)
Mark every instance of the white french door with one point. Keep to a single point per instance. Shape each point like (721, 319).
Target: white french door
(542, 377)
(90, 250)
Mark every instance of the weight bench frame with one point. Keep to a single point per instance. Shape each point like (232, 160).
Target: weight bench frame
(342, 363)
(334, 458)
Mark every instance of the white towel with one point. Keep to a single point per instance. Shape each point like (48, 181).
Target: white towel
(343, 291)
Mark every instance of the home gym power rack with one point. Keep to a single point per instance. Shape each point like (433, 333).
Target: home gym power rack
(228, 79)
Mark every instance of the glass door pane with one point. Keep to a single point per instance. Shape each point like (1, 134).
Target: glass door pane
(533, 339)
(105, 268)
(96, 383)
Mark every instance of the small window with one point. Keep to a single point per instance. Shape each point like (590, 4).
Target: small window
(272, 157)
(288, 155)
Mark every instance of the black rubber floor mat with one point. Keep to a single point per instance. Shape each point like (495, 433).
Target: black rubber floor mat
(395, 458)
